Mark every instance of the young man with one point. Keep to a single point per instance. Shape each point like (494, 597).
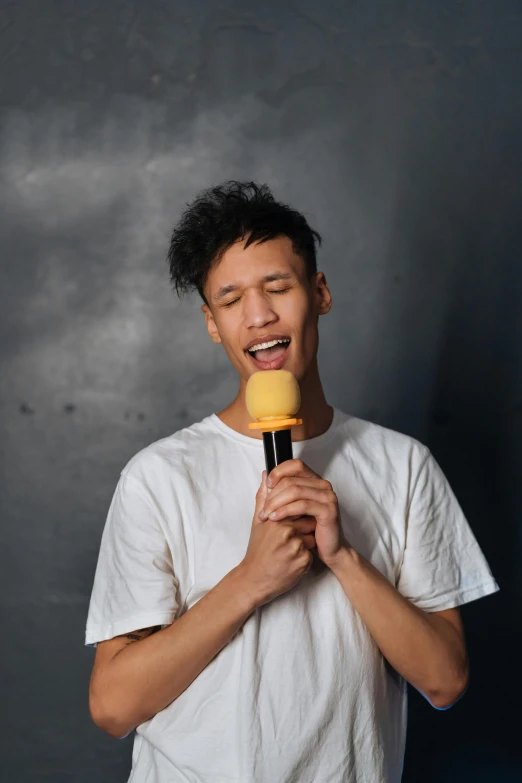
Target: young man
(268, 638)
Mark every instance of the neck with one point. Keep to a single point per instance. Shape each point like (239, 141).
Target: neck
(315, 412)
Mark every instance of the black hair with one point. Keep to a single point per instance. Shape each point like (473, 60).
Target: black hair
(220, 216)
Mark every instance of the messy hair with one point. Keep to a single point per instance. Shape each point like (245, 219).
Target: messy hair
(220, 216)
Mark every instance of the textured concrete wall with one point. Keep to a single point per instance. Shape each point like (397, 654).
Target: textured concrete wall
(396, 128)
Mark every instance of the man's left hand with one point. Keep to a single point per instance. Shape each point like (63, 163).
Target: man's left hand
(297, 491)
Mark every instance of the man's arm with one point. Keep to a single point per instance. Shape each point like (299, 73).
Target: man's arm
(138, 674)
(428, 649)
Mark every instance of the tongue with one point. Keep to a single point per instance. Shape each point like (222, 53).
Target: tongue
(269, 354)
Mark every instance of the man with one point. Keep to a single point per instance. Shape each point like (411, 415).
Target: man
(268, 638)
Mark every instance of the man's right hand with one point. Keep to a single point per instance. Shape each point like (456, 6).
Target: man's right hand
(278, 553)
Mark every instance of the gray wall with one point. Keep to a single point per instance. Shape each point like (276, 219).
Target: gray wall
(396, 128)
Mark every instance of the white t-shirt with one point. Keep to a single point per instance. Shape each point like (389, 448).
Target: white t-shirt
(301, 694)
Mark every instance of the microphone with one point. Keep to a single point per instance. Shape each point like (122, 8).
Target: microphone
(272, 398)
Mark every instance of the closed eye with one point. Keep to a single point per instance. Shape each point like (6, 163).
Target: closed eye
(269, 291)
(229, 304)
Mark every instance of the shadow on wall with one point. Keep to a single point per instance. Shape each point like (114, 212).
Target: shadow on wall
(473, 429)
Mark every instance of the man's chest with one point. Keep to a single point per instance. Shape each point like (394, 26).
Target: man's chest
(216, 518)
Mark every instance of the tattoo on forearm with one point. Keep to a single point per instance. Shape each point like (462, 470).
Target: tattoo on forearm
(137, 636)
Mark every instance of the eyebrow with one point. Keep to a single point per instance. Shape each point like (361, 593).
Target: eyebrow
(227, 289)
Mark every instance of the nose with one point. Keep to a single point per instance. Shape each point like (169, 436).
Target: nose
(257, 310)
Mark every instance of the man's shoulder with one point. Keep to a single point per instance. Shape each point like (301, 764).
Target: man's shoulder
(170, 453)
(374, 439)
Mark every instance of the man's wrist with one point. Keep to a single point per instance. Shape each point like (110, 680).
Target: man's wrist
(345, 560)
(248, 597)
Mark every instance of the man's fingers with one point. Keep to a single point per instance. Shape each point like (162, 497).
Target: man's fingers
(309, 541)
(293, 493)
(305, 530)
(299, 508)
(303, 525)
(291, 467)
(300, 481)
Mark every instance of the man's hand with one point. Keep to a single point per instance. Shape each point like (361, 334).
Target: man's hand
(278, 554)
(296, 492)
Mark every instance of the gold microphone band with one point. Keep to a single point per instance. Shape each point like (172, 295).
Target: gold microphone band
(274, 425)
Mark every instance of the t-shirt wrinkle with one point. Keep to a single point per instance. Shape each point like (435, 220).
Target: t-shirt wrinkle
(415, 484)
(301, 693)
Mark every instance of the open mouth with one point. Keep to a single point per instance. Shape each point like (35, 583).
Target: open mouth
(269, 355)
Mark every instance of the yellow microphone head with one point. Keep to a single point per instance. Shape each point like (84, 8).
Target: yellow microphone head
(273, 398)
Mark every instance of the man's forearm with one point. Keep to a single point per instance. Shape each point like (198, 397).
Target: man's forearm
(145, 677)
(423, 648)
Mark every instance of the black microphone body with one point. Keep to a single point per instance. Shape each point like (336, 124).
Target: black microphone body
(278, 448)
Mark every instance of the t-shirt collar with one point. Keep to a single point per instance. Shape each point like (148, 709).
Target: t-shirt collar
(257, 443)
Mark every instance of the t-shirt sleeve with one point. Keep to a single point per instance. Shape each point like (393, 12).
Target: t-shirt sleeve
(443, 565)
(134, 583)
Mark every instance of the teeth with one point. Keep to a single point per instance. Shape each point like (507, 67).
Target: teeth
(270, 344)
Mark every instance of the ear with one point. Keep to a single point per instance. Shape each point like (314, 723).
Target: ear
(211, 324)
(322, 295)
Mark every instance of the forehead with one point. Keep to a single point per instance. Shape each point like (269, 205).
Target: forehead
(242, 266)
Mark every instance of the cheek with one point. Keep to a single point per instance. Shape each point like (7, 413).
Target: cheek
(308, 320)
(230, 330)
(296, 310)
(310, 332)
(227, 326)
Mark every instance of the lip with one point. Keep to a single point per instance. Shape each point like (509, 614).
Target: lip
(266, 339)
(275, 364)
